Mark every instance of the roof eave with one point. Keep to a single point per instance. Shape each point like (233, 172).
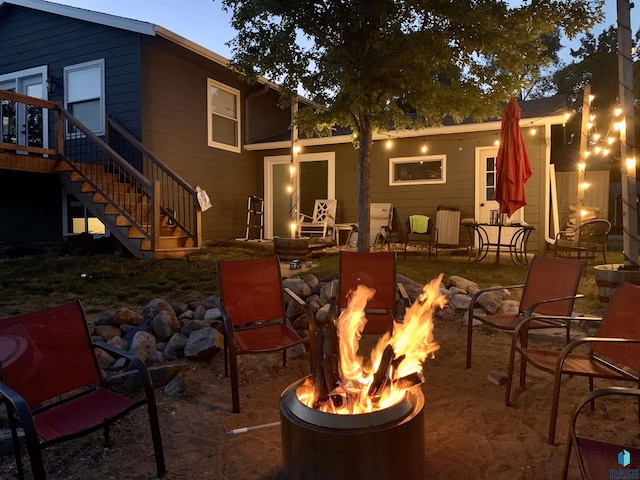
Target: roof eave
(424, 132)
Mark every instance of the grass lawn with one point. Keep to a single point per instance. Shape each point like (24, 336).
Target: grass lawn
(103, 282)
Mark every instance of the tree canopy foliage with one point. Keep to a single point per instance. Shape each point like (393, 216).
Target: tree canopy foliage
(374, 65)
(596, 64)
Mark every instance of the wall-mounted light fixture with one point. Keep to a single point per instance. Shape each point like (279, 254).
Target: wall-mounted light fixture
(52, 83)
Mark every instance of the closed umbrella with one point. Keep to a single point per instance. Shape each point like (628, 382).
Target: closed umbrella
(512, 163)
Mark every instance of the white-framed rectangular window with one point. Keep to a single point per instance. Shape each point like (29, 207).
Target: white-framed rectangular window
(77, 219)
(223, 114)
(421, 170)
(84, 94)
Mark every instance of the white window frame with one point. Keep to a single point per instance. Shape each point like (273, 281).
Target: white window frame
(99, 64)
(223, 146)
(87, 220)
(422, 158)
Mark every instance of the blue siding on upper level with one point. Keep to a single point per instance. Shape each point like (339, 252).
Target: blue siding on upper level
(59, 41)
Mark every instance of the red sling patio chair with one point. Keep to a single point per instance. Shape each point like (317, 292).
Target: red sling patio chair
(597, 457)
(550, 288)
(375, 270)
(614, 351)
(51, 384)
(252, 307)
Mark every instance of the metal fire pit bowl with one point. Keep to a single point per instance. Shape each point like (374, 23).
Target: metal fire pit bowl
(385, 444)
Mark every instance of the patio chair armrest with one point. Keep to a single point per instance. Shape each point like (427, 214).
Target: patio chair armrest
(307, 310)
(581, 341)
(565, 235)
(475, 296)
(589, 397)
(228, 323)
(562, 321)
(22, 410)
(403, 293)
(137, 363)
(531, 310)
(607, 391)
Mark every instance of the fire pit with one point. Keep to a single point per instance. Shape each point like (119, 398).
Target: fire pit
(384, 444)
(353, 419)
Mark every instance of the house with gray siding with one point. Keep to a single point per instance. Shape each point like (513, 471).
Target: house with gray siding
(130, 118)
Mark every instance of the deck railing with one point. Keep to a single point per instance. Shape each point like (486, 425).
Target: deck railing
(179, 199)
(139, 194)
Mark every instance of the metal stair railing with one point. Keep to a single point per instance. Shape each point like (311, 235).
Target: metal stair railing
(117, 181)
(178, 199)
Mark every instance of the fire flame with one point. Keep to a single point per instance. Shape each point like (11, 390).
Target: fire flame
(395, 363)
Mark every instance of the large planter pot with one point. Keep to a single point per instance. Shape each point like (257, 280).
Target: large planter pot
(289, 249)
(609, 276)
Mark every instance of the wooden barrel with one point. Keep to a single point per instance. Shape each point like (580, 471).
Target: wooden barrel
(291, 248)
(608, 277)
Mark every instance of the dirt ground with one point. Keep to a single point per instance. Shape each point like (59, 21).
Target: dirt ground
(469, 433)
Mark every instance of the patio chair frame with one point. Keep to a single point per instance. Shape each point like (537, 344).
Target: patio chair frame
(595, 456)
(429, 237)
(607, 358)
(321, 222)
(53, 405)
(252, 306)
(586, 241)
(548, 274)
(356, 268)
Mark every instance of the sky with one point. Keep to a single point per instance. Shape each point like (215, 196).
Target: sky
(206, 23)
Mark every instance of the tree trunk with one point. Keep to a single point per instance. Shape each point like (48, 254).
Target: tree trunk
(364, 173)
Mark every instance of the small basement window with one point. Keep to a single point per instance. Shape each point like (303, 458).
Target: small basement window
(417, 170)
(77, 219)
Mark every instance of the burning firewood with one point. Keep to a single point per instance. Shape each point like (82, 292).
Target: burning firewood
(381, 378)
(326, 372)
(344, 383)
(408, 381)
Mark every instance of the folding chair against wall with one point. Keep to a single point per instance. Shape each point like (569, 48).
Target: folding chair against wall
(52, 386)
(422, 229)
(380, 223)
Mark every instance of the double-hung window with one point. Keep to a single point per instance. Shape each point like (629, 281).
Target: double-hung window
(84, 94)
(223, 116)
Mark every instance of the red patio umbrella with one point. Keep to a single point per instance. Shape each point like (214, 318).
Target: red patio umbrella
(512, 163)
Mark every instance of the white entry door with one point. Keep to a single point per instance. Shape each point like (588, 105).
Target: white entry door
(485, 188)
(315, 179)
(25, 124)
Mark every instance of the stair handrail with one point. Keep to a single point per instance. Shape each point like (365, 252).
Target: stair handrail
(151, 232)
(191, 228)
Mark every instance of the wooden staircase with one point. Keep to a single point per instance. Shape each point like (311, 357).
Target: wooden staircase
(172, 241)
(153, 215)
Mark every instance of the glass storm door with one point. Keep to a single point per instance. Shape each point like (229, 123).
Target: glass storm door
(486, 176)
(316, 180)
(24, 124)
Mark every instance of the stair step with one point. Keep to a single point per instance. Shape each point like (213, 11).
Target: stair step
(168, 243)
(140, 214)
